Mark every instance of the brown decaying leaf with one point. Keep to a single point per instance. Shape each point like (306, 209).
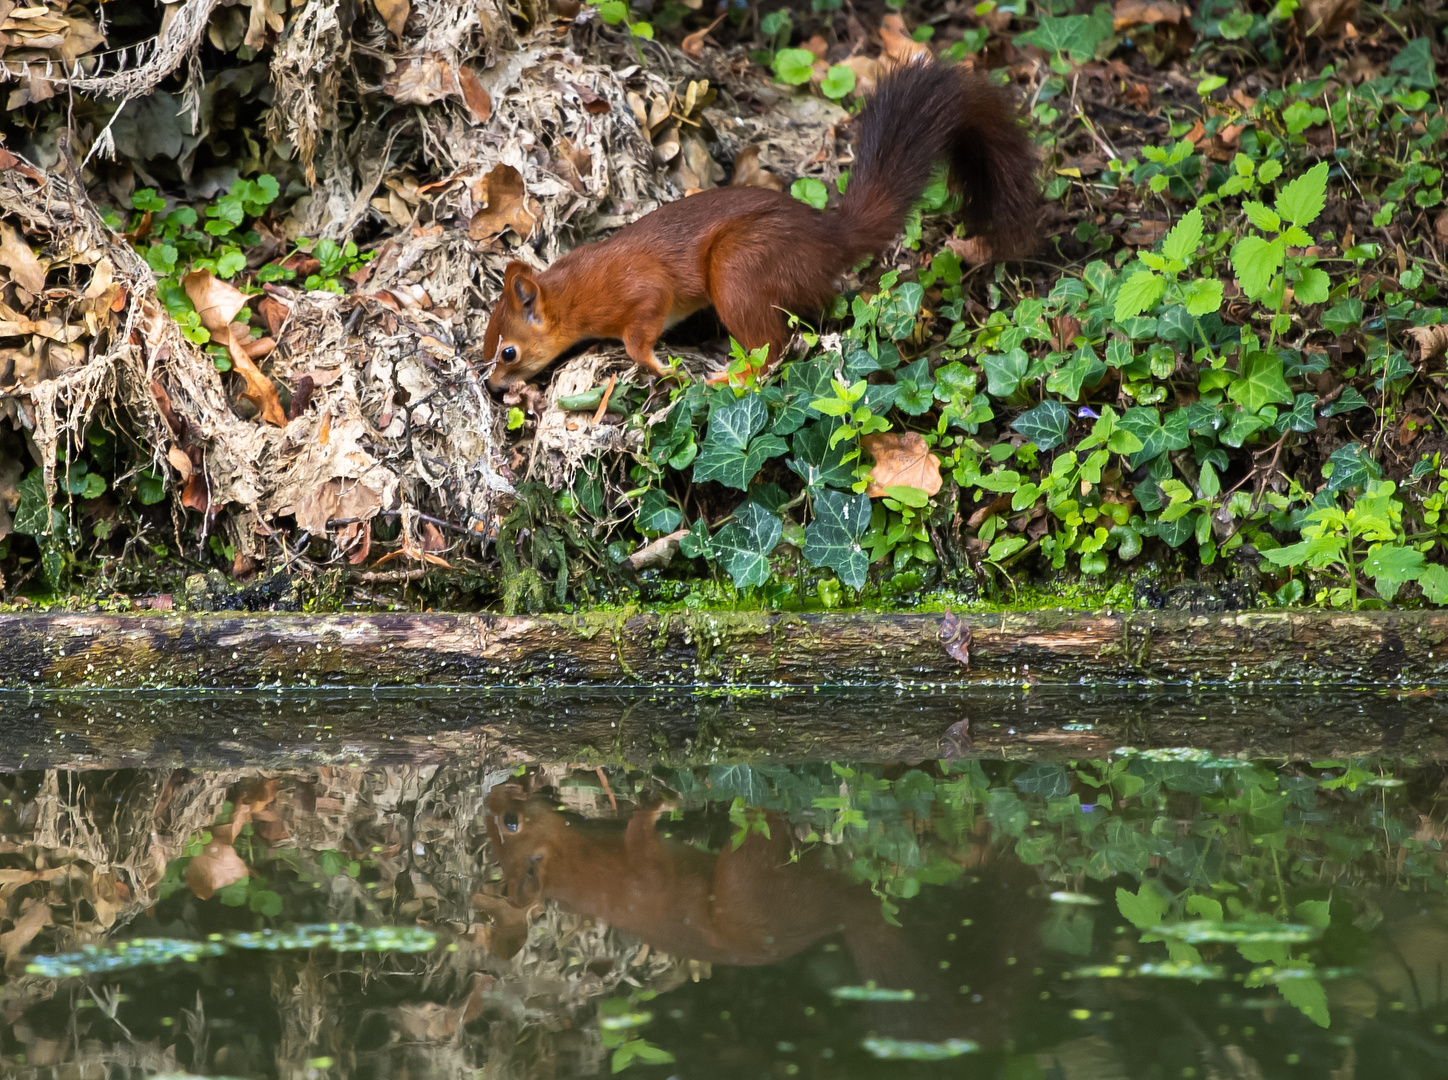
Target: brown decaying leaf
(505, 204)
(34, 915)
(1440, 227)
(749, 173)
(1129, 13)
(218, 302)
(262, 19)
(478, 101)
(693, 45)
(1146, 233)
(421, 80)
(1432, 341)
(955, 635)
(180, 461)
(901, 460)
(16, 256)
(394, 13)
(1326, 18)
(900, 47)
(973, 250)
(432, 539)
(217, 866)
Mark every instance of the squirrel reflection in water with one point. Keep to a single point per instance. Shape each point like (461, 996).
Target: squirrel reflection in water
(756, 903)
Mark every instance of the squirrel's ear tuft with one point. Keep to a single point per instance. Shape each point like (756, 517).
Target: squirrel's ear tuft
(524, 287)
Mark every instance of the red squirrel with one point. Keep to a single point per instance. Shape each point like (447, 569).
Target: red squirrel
(754, 253)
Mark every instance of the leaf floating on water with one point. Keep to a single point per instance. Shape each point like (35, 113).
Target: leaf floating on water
(910, 1050)
(871, 992)
(625, 1021)
(339, 937)
(1084, 899)
(1194, 933)
(1269, 975)
(1171, 970)
(141, 952)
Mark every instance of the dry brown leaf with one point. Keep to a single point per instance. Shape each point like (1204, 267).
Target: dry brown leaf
(1146, 233)
(421, 80)
(217, 303)
(432, 539)
(902, 460)
(16, 256)
(693, 45)
(900, 47)
(477, 99)
(394, 13)
(196, 495)
(334, 499)
(263, 18)
(1432, 341)
(1440, 227)
(505, 204)
(34, 916)
(749, 173)
(973, 250)
(217, 866)
(867, 73)
(1129, 13)
(274, 312)
(1326, 18)
(180, 461)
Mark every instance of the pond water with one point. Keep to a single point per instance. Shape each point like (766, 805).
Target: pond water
(1085, 884)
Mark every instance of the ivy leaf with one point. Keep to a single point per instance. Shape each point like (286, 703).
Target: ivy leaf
(1301, 417)
(696, 545)
(1004, 372)
(818, 463)
(1351, 468)
(1046, 779)
(1185, 237)
(743, 546)
(1347, 401)
(1083, 368)
(1260, 383)
(1045, 425)
(832, 539)
(1257, 262)
(1391, 566)
(657, 515)
(1139, 293)
(1340, 318)
(33, 514)
(733, 450)
(1303, 199)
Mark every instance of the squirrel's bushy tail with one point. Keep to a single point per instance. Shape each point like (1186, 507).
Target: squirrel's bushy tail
(927, 113)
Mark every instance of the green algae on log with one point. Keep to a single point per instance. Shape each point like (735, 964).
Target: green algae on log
(689, 648)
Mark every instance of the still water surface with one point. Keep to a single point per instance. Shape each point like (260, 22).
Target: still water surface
(1085, 885)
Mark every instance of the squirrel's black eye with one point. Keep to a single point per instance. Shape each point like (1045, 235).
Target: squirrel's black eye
(509, 354)
(510, 822)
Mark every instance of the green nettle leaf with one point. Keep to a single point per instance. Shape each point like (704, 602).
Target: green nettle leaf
(832, 539)
(1260, 383)
(1308, 996)
(1257, 262)
(1312, 287)
(1045, 425)
(1391, 566)
(734, 450)
(1260, 216)
(1434, 583)
(1202, 296)
(810, 191)
(1301, 200)
(838, 83)
(793, 66)
(1004, 372)
(657, 514)
(1185, 237)
(1140, 292)
(743, 546)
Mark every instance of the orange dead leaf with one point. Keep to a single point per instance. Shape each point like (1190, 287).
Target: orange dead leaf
(34, 915)
(749, 173)
(218, 302)
(1432, 341)
(196, 495)
(900, 47)
(217, 866)
(693, 45)
(180, 461)
(1440, 227)
(421, 80)
(902, 460)
(16, 256)
(432, 538)
(1129, 13)
(505, 204)
(394, 13)
(478, 101)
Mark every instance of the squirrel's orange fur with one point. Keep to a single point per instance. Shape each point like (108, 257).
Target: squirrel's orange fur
(754, 254)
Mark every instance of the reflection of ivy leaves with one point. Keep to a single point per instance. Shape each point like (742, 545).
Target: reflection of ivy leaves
(832, 539)
(743, 546)
(1044, 779)
(1146, 909)
(733, 450)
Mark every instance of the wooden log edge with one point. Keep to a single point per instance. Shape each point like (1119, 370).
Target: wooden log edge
(688, 648)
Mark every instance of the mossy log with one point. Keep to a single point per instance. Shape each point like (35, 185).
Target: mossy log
(79, 650)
